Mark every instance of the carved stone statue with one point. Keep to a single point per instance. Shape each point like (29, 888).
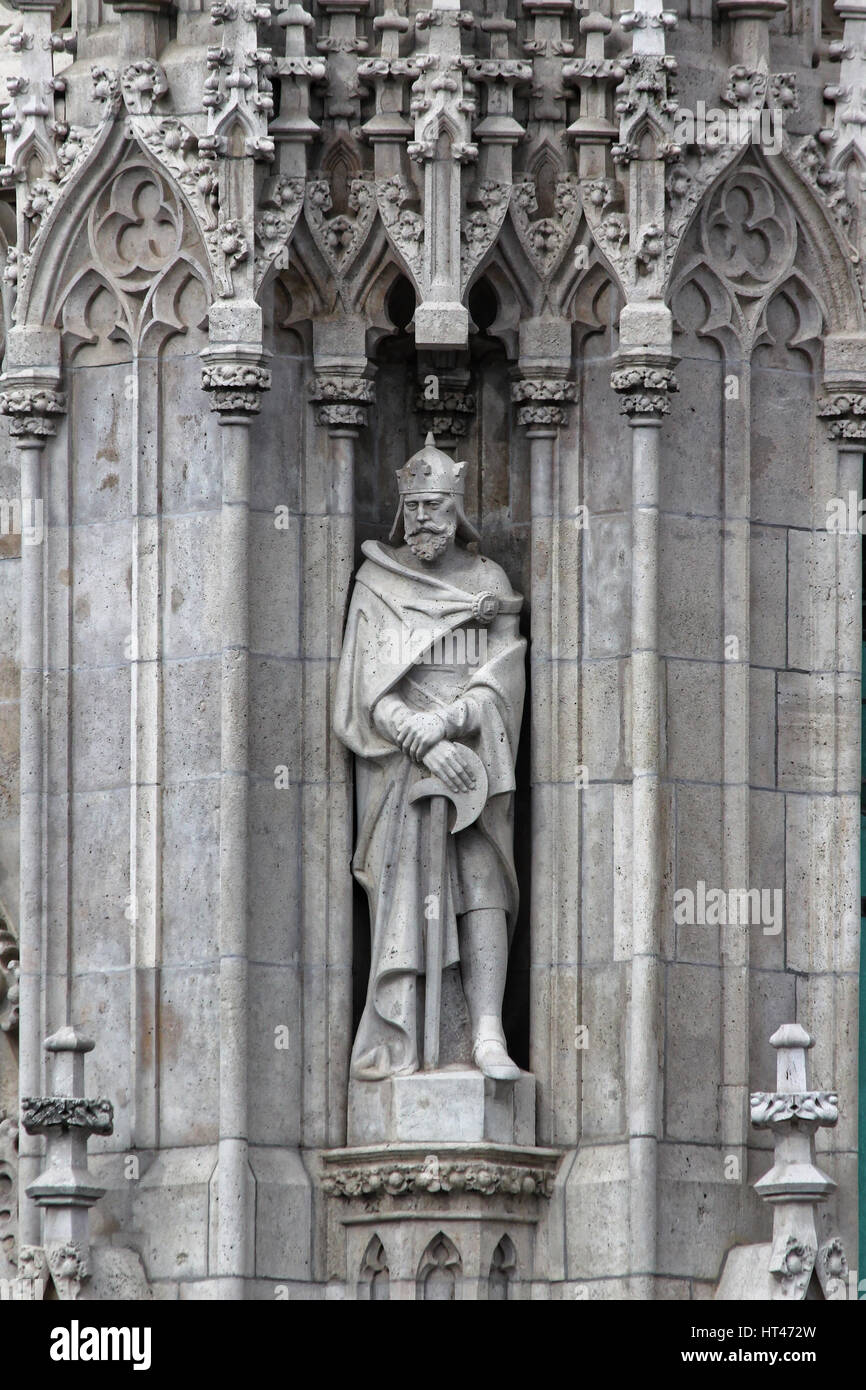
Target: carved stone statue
(432, 681)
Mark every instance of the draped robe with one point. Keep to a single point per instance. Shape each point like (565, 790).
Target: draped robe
(397, 617)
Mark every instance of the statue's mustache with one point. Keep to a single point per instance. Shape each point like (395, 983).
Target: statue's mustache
(431, 526)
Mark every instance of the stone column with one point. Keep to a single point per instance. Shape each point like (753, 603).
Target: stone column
(542, 395)
(644, 377)
(235, 375)
(342, 394)
(143, 26)
(32, 402)
(65, 1189)
(750, 33)
(443, 106)
(593, 132)
(834, 989)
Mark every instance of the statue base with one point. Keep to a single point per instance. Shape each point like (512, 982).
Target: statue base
(453, 1221)
(454, 1105)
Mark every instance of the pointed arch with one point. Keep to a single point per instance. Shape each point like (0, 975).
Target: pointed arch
(236, 128)
(722, 319)
(819, 237)
(373, 294)
(58, 244)
(585, 290)
(511, 272)
(36, 147)
(374, 1279)
(545, 156)
(510, 292)
(647, 137)
(439, 123)
(850, 162)
(807, 311)
(439, 1270)
(341, 151)
(503, 1271)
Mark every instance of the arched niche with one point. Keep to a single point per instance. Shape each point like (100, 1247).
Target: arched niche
(439, 1271)
(374, 1279)
(463, 398)
(120, 269)
(503, 1271)
(752, 620)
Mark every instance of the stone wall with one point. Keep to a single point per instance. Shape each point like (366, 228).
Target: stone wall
(251, 258)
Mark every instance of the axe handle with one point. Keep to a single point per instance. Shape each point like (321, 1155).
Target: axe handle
(437, 888)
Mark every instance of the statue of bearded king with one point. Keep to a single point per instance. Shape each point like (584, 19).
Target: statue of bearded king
(429, 696)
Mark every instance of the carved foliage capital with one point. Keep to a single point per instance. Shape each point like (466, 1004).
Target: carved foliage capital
(777, 1107)
(40, 1114)
(69, 1266)
(644, 389)
(542, 400)
(236, 387)
(844, 414)
(342, 400)
(30, 410)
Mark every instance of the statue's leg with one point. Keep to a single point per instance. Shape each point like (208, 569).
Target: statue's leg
(483, 963)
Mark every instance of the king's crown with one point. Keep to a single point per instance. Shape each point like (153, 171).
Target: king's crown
(430, 470)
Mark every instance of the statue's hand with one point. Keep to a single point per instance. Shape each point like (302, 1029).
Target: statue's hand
(448, 762)
(420, 733)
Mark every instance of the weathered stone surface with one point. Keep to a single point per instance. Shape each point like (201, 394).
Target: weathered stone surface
(224, 331)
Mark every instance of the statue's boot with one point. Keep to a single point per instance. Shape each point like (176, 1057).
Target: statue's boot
(491, 1057)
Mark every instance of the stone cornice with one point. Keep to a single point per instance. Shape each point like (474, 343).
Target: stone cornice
(444, 1170)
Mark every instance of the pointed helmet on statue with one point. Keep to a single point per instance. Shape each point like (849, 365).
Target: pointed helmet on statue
(431, 470)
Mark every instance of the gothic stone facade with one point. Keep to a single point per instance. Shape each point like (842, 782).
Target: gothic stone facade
(252, 255)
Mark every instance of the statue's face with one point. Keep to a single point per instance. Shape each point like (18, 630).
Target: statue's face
(429, 523)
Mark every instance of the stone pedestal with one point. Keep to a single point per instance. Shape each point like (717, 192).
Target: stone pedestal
(440, 1190)
(436, 1221)
(448, 1106)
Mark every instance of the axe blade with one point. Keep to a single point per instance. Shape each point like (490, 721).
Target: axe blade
(468, 805)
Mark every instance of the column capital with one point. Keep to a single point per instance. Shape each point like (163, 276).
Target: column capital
(542, 400)
(844, 416)
(236, 378)
(341, 400)
(842, 403)
(644, 388)
(29, 387)
(32, 407)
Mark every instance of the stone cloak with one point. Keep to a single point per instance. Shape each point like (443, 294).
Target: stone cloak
(395, 616)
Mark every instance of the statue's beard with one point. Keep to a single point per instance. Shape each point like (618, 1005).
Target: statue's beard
(428, 542)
